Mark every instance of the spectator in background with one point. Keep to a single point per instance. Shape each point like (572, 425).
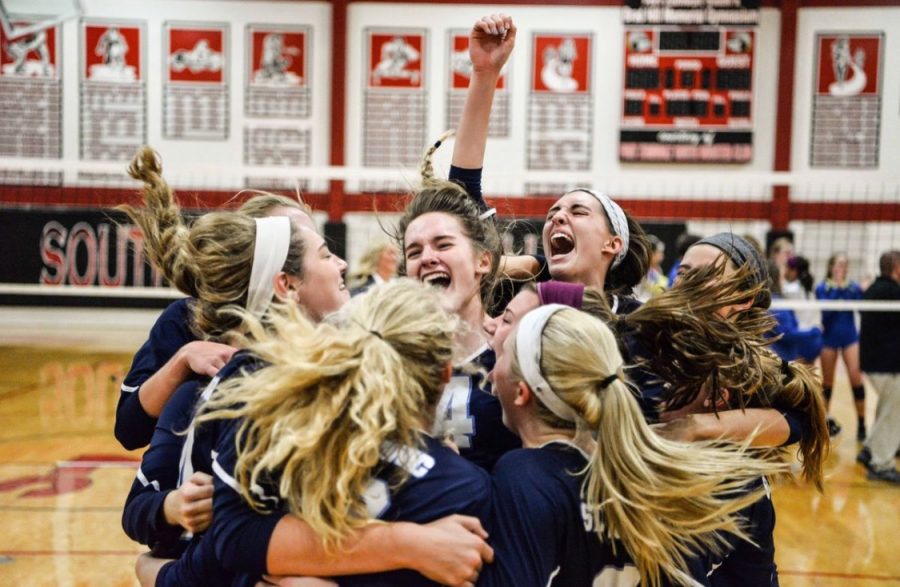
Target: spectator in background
(879, 342)
(796, 342)
(781, 251)
(799, 284)
(377, 265)
(840, 336)
(655, 282)
(684, 241)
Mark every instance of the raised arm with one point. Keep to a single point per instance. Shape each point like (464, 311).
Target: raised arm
(491, 42)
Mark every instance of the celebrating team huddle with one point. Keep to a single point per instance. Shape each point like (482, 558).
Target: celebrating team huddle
(427, 431)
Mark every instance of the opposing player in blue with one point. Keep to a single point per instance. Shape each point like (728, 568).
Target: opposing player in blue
(840, 337)
(595, 496)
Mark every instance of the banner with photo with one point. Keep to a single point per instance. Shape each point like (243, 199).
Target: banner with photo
(846, 112)
(113, 90)
(195, 81)
(395, 100)
(30, 68)
(459, 73)
(560, 106)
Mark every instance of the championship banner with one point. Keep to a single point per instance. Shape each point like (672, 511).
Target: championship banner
(30, 74)
(560, 106)
(395, 99)
(113, 90)
(195, 81)
(688, 94)
(460, 72)
(277, 83)
(846, 113)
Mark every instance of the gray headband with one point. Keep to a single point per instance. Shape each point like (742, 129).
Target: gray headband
(741, 253)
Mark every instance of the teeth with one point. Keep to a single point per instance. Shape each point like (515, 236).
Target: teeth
(435, 276)
(557, 236)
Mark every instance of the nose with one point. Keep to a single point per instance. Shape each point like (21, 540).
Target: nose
(341, 263)
(428, 256)
(490, 325)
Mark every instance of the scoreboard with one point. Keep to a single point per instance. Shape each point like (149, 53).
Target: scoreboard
(688, 94)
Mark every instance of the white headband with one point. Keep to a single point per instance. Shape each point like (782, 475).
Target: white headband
(270, 251)
(616, 218)
(528, 353)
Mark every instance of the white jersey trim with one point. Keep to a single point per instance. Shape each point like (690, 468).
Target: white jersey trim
(145, 482)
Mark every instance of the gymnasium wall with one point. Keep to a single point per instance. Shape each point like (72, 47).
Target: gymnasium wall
(385, 126)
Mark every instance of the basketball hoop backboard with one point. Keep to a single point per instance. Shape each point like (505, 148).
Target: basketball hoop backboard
(39, 14)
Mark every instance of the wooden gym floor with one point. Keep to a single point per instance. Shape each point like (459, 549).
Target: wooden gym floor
(64, 478)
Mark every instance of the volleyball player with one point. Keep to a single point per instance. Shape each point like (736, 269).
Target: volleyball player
(572, 511)
(175, 350)
(230, 260)
(840, 337)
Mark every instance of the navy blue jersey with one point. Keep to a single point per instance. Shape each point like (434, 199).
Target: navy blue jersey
(542, 533)
(747, 564)
(468, 414)
(440, 483)
(142, 517)
(172, 330)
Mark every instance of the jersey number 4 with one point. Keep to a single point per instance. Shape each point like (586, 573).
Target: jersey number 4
(454, 417)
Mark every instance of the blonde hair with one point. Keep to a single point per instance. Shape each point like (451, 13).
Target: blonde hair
(663, 500)
(332, 395)
(368, 263)
(262, 203)
(210, 259)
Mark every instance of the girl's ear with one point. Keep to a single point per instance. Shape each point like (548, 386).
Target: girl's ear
(284, 285)
(482, 263)
(524, 394)
(613, 245)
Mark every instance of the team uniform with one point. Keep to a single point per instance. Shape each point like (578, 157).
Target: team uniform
(134, 427)
(197, 564)
(744, 563)
(469, 415)
(839, 327)
(143, 518)
(795, 342)
(542, 533)
(440, 483)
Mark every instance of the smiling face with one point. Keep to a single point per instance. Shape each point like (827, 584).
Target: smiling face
(578, 241)
(505, 385)
(439, 253)
(500, 327)
(838, 269)
(321, 290)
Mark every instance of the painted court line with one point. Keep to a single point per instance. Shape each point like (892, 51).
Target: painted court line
(859, 576)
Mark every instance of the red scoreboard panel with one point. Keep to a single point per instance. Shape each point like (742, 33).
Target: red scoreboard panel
(688, 94)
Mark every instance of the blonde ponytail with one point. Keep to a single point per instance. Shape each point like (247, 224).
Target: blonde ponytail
(663, 500)
(320, 414)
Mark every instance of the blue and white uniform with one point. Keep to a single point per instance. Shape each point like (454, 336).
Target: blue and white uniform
(839, 327)
(134, 427)
(440, 483)
(542, 532)
(471, 416)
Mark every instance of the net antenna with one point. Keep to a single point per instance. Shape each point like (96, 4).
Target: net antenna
(39, 14)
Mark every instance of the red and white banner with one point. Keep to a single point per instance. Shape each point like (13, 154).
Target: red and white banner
(560, 108)
(278, 71)
(195, 88)
(31, 99)
(561, 64)
(196, 53)
(846, 118)
(396, 60)
(112, 52)
(113, 90)
(459, 69)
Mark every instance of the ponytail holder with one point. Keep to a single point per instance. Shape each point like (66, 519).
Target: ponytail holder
(786, 371)
(487, 214)
(376, 333)
(605, 383)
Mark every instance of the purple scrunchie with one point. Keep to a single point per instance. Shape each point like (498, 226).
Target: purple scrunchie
(561, 292)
